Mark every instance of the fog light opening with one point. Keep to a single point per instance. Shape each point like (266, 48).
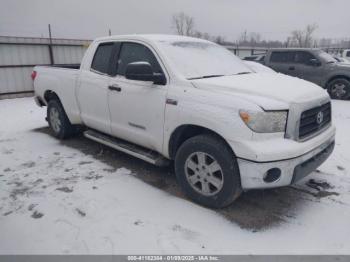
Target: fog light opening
(272, 175)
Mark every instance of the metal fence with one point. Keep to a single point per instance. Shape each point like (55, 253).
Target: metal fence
(243, 51)
(18, 56)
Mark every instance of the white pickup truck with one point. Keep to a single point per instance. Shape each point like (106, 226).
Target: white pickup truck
(168, 98)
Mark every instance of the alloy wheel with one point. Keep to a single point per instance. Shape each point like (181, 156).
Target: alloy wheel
(204, 174)
(55, 120)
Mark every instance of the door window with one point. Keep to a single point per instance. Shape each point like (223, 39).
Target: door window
(102, 57)
(303, 57)
(282, 57)
(134, 52)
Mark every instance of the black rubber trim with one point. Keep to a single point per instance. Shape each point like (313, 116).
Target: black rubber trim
(45, 44)
(17, 93)
(71, 66)
(305, 168)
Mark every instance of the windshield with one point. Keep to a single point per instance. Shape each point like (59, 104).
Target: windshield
(326, 57)
(196, 59)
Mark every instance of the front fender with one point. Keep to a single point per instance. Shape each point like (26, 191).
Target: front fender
(207, 113)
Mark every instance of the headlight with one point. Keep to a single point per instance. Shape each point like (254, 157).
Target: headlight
(265, 122)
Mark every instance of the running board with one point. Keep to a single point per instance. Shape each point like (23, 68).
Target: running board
(128, 148)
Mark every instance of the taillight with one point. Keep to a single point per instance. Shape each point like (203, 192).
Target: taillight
(33, 75)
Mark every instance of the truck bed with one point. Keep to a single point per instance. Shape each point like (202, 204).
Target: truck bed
(62, 80)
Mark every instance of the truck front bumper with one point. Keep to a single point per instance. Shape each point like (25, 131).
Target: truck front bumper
(284, 172)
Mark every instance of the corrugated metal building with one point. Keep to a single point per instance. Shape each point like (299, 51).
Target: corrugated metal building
(18, 56)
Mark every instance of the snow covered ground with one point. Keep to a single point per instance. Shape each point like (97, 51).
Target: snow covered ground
(78, 197)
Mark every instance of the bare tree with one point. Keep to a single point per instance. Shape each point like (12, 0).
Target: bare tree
(288, 41)
(297, 36)
(254, 38)
(304, 38)
(219, 40)
(202, 35)
(243, 38)
(183, 24)
(310, 29)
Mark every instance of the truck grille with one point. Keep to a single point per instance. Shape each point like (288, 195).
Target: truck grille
(314, 119)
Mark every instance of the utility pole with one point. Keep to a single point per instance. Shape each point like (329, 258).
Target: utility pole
(50, 47)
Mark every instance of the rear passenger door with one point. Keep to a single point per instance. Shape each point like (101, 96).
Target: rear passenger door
(283, 62)
(93, 90)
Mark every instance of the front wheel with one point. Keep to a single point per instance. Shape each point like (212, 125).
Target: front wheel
(207, 171)
(339, 89)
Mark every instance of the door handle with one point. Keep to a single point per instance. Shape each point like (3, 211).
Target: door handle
(115, 88)
(291, 68)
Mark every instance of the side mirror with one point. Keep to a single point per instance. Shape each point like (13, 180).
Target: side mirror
(142, 71)
(314, 62)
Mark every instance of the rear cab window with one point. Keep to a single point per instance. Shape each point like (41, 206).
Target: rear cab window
(282, 57)
(102, 58)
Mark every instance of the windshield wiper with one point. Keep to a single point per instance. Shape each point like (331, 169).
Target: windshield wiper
(243, 73)
(201, 77)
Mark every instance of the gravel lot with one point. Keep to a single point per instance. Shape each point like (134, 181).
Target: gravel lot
(79, 197)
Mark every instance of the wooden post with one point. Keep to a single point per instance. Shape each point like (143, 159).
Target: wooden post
(52, 61)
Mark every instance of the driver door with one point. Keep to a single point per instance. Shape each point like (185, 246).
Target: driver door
(308, 71)
(283, 62)
(137, 107)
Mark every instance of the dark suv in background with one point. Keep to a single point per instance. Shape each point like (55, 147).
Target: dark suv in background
(313, 65)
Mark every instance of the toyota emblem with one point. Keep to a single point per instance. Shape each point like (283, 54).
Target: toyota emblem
(319, 118)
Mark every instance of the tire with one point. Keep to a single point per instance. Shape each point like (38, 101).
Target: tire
(58, 120)
(214, 189)
(339, 88)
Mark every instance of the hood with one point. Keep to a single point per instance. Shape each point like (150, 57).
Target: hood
(344, 65)
(268, 90)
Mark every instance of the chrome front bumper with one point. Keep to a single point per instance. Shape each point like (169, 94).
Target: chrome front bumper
(292, 170)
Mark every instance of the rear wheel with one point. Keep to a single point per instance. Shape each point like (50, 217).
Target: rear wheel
(207, 171)
(339, 88)
(58, 120)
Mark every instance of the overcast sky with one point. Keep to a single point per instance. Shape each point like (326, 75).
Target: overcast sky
(273, 19)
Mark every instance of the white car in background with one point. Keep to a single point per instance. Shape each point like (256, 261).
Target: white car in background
(346, 54)
(341, 59)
